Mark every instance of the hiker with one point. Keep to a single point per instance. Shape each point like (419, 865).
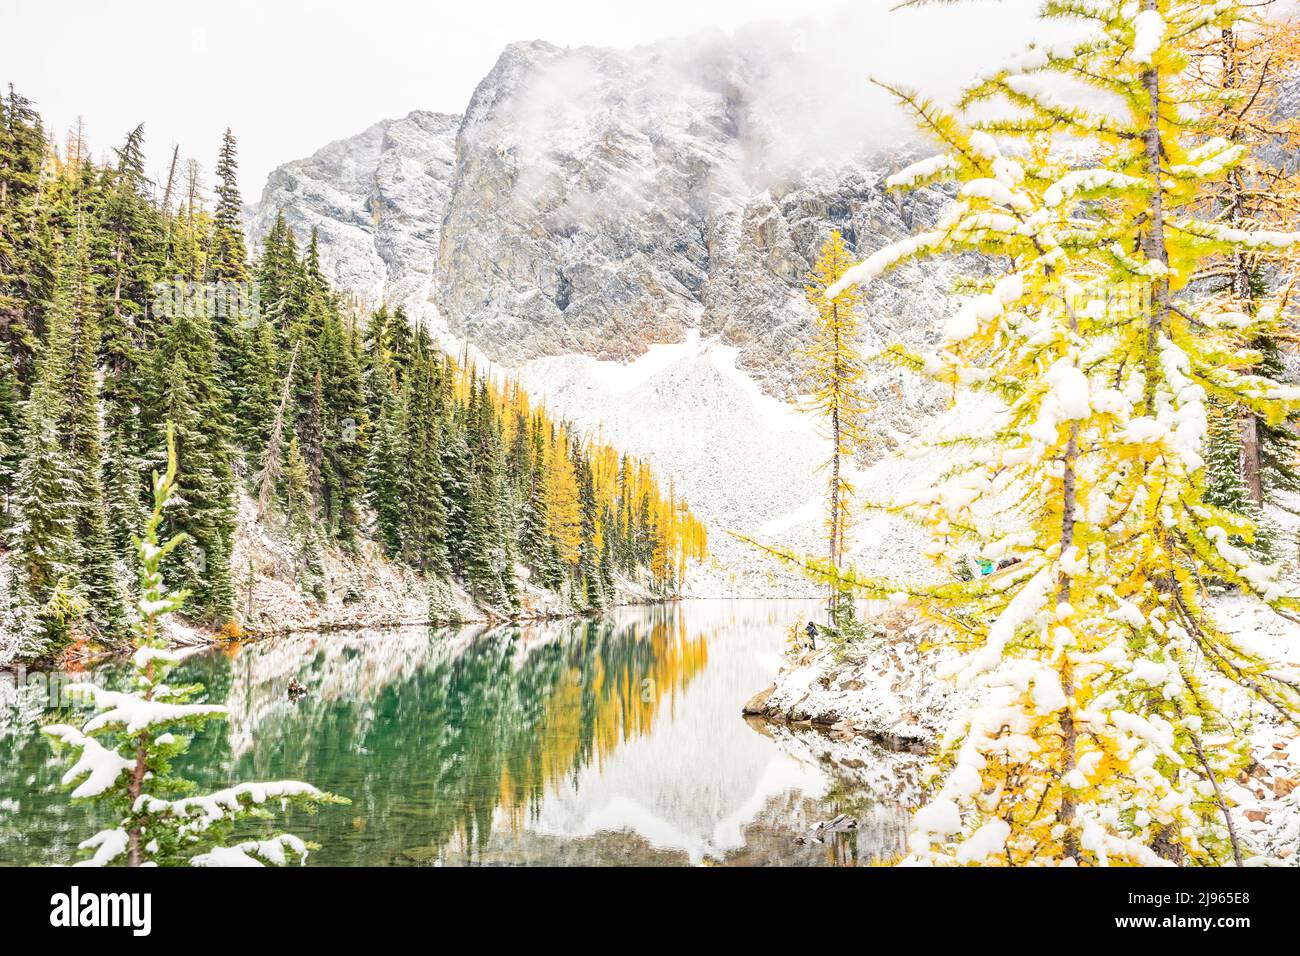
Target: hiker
(812, 636)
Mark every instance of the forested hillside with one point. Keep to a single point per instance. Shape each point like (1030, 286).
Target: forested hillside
(128, 304)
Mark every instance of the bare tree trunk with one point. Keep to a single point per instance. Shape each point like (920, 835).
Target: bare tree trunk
(1153, 240)
(836, 504)
(1250, 466)
(167, 204)
(171, 180)
(1069, 733)
(1241, 268)
(136, 786)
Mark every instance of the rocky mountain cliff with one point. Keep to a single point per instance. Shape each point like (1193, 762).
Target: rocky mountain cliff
(598, 201)
(377, 200)
(593, 203)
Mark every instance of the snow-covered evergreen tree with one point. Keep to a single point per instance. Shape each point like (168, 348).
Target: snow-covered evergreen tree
(43, 534)
(1224, 485)
(122, 754)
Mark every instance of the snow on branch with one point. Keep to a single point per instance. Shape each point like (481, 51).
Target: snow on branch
(876, 263)
(1148, 33)
(1083, 182)
(221, 804)
(133, 713)
(254, 853)
(100, 766)
(923, 171)
(1248, 238)
(108, 845)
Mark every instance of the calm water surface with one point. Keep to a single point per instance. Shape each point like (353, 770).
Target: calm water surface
(612, 741)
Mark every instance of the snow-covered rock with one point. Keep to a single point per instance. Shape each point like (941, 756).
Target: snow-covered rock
(377, 201)
(597, 201)
(606, 200)
(885, 688)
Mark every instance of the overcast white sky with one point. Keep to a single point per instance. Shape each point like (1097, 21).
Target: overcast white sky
(289, 75)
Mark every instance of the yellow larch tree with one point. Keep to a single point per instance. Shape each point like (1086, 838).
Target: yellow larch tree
(1240, 72)
(834, 373)
(1099, 733)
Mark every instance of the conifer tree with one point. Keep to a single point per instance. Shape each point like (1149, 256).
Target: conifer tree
(345, 428)
(311, 430)
(456, 469)
(10, 436)
(259, 387)
(22, 155)
(81, 434)
(44, 529)
(536, 546)
(1225, 485)
(457, 484)
(123, 507)
(1090, 743)
(228, 261)
(123, 754)
(186, 394)
(311, 269)
(589, 576)
(488, 554)
(835, 371)
(399, 342)
(1244, 68)
(384, 478)
(132, 229)
(297, 491)
(278, 276)
(424, 531)
(227, 264)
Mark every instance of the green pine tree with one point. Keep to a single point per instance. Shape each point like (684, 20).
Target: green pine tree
(81, 434)
(10, 436)
(185, 392)
(228, 260)
(384, 477)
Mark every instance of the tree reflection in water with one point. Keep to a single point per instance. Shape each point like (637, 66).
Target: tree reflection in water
(605, 741)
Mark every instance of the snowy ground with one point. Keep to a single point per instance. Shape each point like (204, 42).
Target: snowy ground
(360, 588)
(890, 694)
(741, 458)
(746, 462)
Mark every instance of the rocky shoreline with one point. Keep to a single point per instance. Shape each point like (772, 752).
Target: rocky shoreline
(882, 711)
(361, 588)
(884, 689)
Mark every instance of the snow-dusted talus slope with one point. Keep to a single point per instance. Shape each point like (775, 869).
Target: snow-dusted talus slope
(745, 461)
(741, 458)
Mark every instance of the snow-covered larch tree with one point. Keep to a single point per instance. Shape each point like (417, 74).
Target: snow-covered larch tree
(123, 752)
(1100, 735)
(835, 373)
(1247, 69)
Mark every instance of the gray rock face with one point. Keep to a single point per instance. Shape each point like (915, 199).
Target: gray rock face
(599, 201)
(606, 200)
(377, 201)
